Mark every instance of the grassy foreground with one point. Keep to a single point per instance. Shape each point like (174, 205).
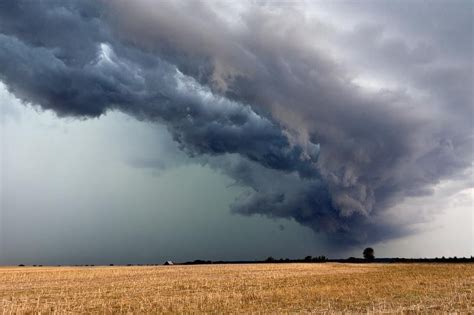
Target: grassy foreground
(267, 288)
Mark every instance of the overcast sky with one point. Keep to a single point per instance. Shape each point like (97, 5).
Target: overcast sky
(137, 132)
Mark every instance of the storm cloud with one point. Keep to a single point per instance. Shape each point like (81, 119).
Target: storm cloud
(326, 123)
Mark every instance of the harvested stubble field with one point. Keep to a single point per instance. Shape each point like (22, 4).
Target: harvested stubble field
(267, 288)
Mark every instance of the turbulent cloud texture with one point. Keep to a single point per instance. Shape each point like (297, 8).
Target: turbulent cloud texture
(327, 121)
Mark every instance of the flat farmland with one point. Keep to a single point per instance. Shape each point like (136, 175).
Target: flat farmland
(263, 288)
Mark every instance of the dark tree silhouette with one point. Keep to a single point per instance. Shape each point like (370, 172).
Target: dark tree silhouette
(369, 253)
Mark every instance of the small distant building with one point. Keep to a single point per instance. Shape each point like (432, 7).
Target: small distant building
(168, 263)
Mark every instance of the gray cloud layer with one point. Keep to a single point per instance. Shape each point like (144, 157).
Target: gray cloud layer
(271, 95)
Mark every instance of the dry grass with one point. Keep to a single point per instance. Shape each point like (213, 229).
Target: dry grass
(263, 288)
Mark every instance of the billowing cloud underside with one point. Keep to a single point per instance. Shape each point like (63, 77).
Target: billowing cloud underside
(328, 120)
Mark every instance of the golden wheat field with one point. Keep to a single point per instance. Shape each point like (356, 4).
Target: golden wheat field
(259, 288)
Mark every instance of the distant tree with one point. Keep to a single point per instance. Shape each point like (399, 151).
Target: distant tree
(368, 253)
(270, 259)
(308, 258)
(319, 259)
